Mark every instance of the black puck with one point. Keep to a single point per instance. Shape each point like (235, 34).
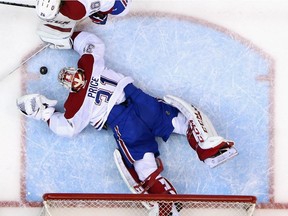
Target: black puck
(43, 70)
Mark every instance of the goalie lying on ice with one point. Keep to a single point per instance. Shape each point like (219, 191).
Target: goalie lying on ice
(101, 96)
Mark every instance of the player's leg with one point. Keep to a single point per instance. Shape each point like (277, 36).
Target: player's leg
(138, 148)
(149, 168)
(149, 171)
(132, 135)
(201, 134)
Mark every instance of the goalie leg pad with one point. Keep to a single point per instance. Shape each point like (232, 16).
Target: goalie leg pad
(131, 179)
(202, 126)
(202, 135)
(128, 175)
(58, 43)
(148, 170)
(57, 32)
(213, 156)
(161, 185)
(155, 184)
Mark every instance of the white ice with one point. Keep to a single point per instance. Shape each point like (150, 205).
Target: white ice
(261, 24)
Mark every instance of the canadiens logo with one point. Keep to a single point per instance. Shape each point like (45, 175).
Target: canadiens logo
(89, 48)
(95, 5)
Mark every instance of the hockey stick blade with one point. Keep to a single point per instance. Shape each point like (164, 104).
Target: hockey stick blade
(17, 4)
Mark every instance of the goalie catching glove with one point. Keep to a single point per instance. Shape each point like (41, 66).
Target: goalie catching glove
(36, 106)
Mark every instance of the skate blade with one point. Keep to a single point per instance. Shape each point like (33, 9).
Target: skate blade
(213, 162)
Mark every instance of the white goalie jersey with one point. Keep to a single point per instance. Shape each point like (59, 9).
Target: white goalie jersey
(103, 89)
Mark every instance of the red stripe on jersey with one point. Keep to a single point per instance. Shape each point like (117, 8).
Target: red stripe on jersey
(124, 3)
(59, 28)
(74, 10)
(75, 100)
(123, 146)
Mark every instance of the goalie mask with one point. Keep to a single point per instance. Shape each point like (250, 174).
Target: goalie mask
(72, 78)
(48, 9)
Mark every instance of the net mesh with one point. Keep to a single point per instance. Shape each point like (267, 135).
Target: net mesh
(139, 207)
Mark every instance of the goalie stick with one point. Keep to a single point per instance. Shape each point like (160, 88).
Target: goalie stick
(17, 4)
(23, 62)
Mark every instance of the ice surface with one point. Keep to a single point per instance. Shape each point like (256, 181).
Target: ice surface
(208, 68)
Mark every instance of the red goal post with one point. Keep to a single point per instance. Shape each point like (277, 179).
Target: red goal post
(72, 204)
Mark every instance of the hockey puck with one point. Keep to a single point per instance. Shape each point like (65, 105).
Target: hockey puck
(43, 70)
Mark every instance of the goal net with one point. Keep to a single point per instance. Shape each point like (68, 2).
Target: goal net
(57, 204)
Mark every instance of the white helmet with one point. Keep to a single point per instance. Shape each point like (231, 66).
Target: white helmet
(71, 78)
(48, 9)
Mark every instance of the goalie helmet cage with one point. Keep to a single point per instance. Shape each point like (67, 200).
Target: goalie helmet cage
(67, 204)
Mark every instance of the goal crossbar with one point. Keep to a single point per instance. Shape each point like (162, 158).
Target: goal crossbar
(74, 204)
(150, 197)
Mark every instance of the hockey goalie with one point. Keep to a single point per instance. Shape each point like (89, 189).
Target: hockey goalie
(100, 96)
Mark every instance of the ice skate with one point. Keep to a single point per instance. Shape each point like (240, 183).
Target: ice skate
(222, 156)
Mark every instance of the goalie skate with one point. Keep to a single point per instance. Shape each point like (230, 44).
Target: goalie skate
(223, 155)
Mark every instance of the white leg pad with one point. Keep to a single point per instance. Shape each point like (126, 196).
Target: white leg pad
(203, 128)
(57, 32)
(130, 181)
(214, 149)
(126, 176)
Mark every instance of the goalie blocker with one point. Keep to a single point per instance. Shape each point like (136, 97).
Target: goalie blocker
(202, 136)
